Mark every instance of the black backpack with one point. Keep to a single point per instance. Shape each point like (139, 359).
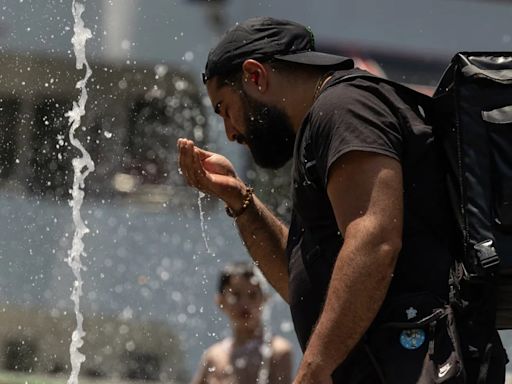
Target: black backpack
(473, 121)
(471, 115)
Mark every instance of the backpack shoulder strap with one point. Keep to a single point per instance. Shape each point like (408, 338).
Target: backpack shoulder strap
(421, 99)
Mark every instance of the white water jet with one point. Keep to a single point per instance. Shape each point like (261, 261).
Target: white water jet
(203, 223)
(266, 346)
(82, 166)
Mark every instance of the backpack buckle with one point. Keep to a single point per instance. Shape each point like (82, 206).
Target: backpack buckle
(487, 254)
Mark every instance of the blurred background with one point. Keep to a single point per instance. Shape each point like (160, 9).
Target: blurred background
(154, 249)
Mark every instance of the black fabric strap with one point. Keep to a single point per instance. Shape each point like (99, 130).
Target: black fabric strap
(484, 364)
(375, 364)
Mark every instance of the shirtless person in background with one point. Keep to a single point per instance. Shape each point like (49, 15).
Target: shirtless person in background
(239, 359)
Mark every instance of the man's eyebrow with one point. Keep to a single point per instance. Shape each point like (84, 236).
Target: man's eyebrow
(216, 108)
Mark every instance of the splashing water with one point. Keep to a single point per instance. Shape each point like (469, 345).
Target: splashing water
(203, 224)
(82, 166)
(204, 278)
(266, 346)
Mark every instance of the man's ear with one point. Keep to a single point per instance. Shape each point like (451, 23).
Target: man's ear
(255, 75)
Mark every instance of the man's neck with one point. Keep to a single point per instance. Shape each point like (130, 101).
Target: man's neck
(301, 97)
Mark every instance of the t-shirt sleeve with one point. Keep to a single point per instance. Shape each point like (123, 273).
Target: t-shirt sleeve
(347, 118)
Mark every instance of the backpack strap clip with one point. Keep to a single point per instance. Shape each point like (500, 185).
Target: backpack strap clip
(486, 254)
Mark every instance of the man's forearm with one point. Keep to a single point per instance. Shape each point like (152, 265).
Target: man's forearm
(265, 237)
(359, 283)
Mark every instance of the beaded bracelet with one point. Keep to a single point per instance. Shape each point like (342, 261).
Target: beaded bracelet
(245, 203)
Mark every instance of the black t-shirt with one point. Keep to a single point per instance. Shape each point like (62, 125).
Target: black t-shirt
(366, 115)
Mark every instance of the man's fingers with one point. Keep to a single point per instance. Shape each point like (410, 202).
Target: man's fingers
(199, 174)
(182, 159)
(186, 161)
(203, 154)
(190, 163)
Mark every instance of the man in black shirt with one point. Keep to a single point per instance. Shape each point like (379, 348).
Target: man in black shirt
(370, 239)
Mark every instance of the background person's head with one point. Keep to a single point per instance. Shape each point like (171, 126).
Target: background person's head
(241, 295)
(251, 76)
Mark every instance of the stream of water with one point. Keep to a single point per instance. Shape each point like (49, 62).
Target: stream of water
(82, 166)
(203, 223)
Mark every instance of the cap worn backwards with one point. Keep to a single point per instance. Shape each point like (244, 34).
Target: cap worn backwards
(263, 39)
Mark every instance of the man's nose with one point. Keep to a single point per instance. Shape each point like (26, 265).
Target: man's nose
(231, 132)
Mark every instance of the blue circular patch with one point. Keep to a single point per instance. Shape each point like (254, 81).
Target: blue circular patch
(412, 338)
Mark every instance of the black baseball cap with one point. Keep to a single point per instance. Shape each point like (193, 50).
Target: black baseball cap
(264, 39)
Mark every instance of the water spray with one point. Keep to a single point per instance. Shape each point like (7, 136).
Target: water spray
(82, 166)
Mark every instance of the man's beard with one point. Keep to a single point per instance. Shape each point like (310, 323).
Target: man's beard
(270, 135)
